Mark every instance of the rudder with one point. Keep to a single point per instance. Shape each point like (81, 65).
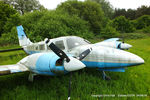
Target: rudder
(23, 40)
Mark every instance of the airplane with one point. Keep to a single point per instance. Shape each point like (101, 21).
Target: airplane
(107, 55)
(102, 57)
(69, 53)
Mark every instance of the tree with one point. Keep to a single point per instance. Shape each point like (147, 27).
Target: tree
(23, 6)
(52, 24)
(133, 13)
(6, 12)
(130, 14)
(122, 24)
(142, 22)
(109, 32)
(88, 11)
(143, 10)
(119, 12)
(106, 7)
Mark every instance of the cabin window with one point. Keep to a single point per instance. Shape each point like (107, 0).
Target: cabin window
(36, 48)
(41, 47)
(60, 44)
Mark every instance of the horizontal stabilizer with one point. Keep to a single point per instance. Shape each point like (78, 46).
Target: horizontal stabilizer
(114, 70)
(9, 69)
(11, 50)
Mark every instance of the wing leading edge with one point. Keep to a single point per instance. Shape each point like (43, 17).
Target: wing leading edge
(9, 69)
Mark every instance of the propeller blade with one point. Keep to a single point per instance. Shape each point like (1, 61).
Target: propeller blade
(59, 52)
(11, 50)
(84, 54)
(69, 88)
(119, 46)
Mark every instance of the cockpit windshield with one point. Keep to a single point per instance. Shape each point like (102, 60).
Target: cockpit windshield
(76, 41)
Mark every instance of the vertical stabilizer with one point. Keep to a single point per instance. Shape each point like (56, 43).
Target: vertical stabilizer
(23, 40)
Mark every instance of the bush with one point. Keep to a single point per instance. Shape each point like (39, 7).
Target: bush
(109, 32)
(142, 22)
(6, 13)
(88, 11)
(146, 29)
(52, 24)
(123, 25)
(10, 38)
(134, 35)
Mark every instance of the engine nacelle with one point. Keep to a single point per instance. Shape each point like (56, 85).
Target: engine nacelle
(44, 63)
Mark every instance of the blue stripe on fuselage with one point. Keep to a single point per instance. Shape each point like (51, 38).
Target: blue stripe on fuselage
(106, 64)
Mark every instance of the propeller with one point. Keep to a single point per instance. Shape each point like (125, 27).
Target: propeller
(70, 61)
(84, 54)
(59, 52)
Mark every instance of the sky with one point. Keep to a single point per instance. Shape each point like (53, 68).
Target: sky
(133, 4)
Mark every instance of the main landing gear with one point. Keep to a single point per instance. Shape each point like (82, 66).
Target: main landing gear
(105, 77)
(31, 76)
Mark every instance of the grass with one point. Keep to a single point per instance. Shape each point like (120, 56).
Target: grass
(85, 82)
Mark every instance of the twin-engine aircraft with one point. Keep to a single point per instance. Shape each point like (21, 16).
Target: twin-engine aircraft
(71, 53)
(48, 60)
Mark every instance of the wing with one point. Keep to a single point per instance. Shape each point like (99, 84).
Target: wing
(9, 69)
(111, 39)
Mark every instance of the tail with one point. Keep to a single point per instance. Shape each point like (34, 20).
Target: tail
(23, 40)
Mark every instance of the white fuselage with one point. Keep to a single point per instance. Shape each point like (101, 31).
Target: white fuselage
(101, 56)
(107, 57)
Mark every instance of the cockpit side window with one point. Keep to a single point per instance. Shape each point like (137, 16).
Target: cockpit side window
(60, 44)
(75, 41)
(36, 48)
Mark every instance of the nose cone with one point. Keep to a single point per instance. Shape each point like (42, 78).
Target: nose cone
(137, 60)
(73, 65)
(125, 46)
(132, 59)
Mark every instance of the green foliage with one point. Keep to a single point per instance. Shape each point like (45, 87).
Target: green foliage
(122, 24)
(7, 13)
(52, 24)
(10, 38)
(12, 21)
(30, 20)
(142, 22)
(106, 7)
(132, 13)
(109, 32)
(146, 29)
(88, 11)
(85, 19)
(143, 10)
